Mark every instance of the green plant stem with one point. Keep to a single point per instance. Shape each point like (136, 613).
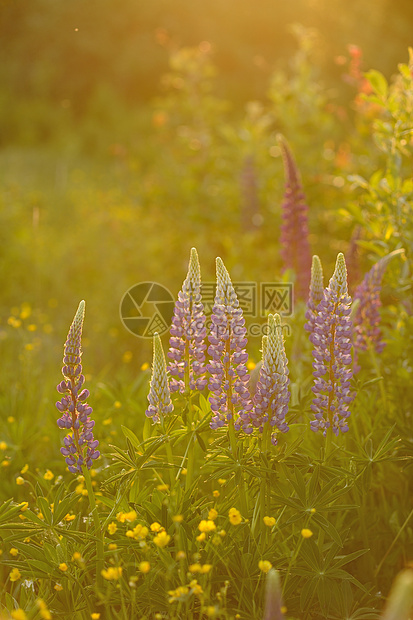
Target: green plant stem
(170, 462)
(379, 375)
(293, 559)
(393, 543)
(98, 532)
(328, 445)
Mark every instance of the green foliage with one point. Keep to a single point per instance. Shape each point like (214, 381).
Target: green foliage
(337, 524)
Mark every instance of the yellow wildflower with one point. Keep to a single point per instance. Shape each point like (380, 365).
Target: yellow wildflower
(162, 539)
(178, 518)
(3, 445)
(95, 615)
(32, 327)
(19, 480)
(178, 594)
(207, 526)
(19, 614)
(68, 518)
(269, 521)
(112, 573)
(107, 421)
(144, 567)
(212, 514)
(139, 532)
(156, 527)
(112, 546)
(24, 469)
(13, 551)
(24, 506)
(181, 555)
(221, 481)
(117, 404)
(48, 475)
(44, 612)
(216, 493)
(145, 366)
(127, 356)
(210, 611)
(201, 537)
(264, 565)
(10, 419)
(196, 588)
(112, 527)
(76, 556)
(63, 567)
(205, 568)
(234, 516)
(306, 533)
(162, 487)
(5, 463)
(15, 574)
(195, 568)
(58, 587)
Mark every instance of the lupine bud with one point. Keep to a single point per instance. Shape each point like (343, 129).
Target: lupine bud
(230, 398)
(272, 396)
(295, 248)
(316, 294)
(159, 396)
(80, 447)
(188, 333)
(332, 355)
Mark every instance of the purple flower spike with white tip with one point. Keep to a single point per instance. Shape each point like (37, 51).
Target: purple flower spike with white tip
(188, 332)
(80, 446)
(230, 400)
(332, 355)
(159, 396)
(315, 296)
(272, 396)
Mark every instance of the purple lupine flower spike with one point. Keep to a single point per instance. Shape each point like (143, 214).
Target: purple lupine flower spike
(272, 396)
(188, 332)
(80, 446)
(332, 355)
(159, 396)
(295, 248)
(366, 330)
(230, 400)
(315, 296)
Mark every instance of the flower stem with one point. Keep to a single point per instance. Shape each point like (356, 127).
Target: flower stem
(98, 532)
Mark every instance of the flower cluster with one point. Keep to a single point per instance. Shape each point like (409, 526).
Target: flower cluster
(315, 296)
(159, 396)
(230, 400)
(295, 248)
(272, 396)
(366, 331)
(188, 333)
(332, 354)
(80, 446)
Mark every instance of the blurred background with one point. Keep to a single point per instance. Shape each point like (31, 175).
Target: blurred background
(131, 131)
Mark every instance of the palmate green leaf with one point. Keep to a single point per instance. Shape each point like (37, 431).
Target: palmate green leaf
(342, 561)
(307, 593)
(132, 437)
(328, 528)
(44, 506)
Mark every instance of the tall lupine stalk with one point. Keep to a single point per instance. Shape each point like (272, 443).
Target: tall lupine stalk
(295, 247)
(230, 401)
(80, 446)
(332, 356)
(187, 348)
(159, 397)
(272, 396)
(315, 296)
(188, 333)
(366, 331)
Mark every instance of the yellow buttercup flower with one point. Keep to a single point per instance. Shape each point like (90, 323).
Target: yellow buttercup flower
(144, 567)
(19, 614)
(306, 533)
(269, 521)
(156, 527)
(15, 574)
(48, 475)
(112, 527)
(19, 480)
(212, 514)
(162, 539)
(264, 565)
(95, 615)
(112, 573)
(13, 551)
(207, 526)
(63, 567)
(234, 516)
(58, 587)
(24, 469)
